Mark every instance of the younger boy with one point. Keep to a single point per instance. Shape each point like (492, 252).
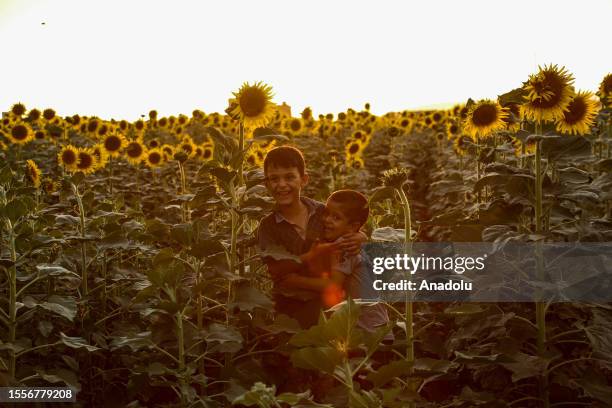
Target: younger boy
(345, 213)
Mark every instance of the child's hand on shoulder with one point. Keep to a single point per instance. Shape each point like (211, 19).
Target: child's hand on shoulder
(351, 243)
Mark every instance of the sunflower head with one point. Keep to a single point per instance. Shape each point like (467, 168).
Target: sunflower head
(605, 90)
(253, 105)
(134, 151)
(92, 125)
(34, 115)
(101, 155)
(547, 94)
(113, 144)
(32, 173)
(68, 157)
(18, 109)
(395, 177)
(86, 161)
(579, 116)
(48, 114)
(154, 158)
(484, 118)
(49, 186)
(21, 133)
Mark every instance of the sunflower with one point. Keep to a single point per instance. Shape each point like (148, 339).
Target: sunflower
(68, 157)
(92, 125)
(355, 162)
(101, 155)
(253, 104)
(39, 134)
(187, 146)
(167, 150)
(154, 158)
(21, 134)
(18, 109)
(548, 94)
(48, 114)
(134, 152)
(294, 125)
(483, 118)
(513, 119)
(579, 114)
(605, 90)
(353, 148)
(32, 173)
(153, 143)
(34, 115)
(49, 186)
(452, 129)
(359, 135)
(139, 125)
(86, 160)
(461, 144)
(114, 143)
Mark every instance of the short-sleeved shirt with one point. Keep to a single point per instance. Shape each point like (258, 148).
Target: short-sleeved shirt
(358, 284)
(276, 230)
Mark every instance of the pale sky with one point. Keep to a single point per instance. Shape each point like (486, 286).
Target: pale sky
(121, 58)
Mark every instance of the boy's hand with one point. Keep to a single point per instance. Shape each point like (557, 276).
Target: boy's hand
(319, 258)
(351, 243)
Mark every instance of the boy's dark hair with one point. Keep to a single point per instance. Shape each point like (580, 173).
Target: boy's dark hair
(285, 156)
(354, 205)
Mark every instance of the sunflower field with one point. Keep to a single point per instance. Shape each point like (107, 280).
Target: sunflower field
(129, 269)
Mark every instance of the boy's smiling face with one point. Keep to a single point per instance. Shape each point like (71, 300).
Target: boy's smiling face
(285, 184)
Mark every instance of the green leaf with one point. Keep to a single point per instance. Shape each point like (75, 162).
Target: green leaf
(62, 306)
(223, 175)
(279, 253)
(555, 147)
(317, 358)
(206, 247)
(389, 234)
(381, 194)
(61, 375)
(134, 342)
(54, 270)
(15, 209)
(388, 372)
(248, 298)
(223, 339)
(76, 343)
(515, 96)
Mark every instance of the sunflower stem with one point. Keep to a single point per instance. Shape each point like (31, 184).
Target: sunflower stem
(540, 306)
(240, 149)
(12, 318)
(84, 276)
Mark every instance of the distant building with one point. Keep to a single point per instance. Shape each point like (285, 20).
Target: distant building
(284, 109)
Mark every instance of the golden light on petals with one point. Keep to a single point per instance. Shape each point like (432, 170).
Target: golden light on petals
(483, 118)
(68, 157)
(253, 104)
(547, 94)
(579, 116)
(33, 173)
(86, 161)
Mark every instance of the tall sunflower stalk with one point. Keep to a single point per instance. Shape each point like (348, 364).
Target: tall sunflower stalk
(483, 118)
(84, 277)
(252, 107)
(11, 319)
(396, 178)
(548, 94)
